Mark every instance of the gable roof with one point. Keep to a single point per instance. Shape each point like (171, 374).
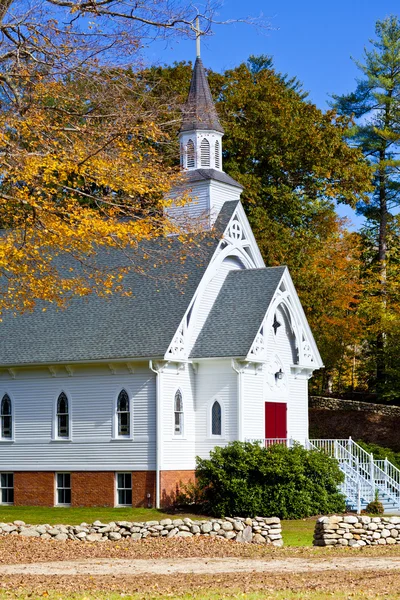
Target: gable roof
(199, 112)
(237, 313)
(121, 327)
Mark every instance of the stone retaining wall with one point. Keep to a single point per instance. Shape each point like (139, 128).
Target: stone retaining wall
(357, 531)
(323, 403)
(259, 530)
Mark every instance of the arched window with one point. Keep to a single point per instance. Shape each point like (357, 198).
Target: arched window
(178, 413)
(62, 416)
(123, 414)
(205, 153)
(217, 157)
(216, 419)
(6, 417)
(190, 155)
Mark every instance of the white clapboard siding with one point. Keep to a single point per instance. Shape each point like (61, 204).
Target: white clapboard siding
(216, 380)
(196, 210)
(298, 413)
(219, 194)
(178, 451)
(253, 403)
(205, 303)
(92, 396)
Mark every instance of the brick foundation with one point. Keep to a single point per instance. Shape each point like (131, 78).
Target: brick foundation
(97, 488)
(170, 481)
(143, 483)
(34, 488)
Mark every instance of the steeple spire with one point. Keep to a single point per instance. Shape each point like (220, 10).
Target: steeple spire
(201, 132)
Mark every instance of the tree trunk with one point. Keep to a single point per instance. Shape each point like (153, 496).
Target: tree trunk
(382, 251)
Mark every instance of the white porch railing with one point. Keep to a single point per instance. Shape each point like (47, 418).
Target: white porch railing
(364, 476)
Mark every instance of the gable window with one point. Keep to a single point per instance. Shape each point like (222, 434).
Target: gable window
(6, 417)
(178, 413)
(190, 154)
(217, 157)
(124, 489)
(62, 416)
(6, 488)
(123, 415)
(205, 153)
(216, 419)
(63, 485)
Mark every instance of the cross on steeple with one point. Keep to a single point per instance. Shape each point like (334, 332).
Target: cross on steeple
(198, 34)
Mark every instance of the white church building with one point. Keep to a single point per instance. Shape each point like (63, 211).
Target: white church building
(109, 402)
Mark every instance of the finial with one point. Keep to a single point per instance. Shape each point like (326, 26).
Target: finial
(197, 38)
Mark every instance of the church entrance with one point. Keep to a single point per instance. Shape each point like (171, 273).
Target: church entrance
(275, 420)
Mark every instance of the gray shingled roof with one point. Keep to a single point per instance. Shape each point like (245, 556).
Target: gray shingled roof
(199, 111)
(141, 325)
(237, 313)
(205, 174)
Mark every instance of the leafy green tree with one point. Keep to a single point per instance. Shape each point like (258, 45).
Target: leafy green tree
(375, 104)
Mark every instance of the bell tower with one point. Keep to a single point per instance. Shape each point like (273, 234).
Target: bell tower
(200, 140)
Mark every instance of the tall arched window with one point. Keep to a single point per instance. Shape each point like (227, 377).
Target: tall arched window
(62, 416)
(123, 414)
(6, 417)
(216, 419)
(190, 155)
(205, 153)
(178, 413)
(217, 156)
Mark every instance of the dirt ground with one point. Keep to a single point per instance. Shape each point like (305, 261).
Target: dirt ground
(200, 566)
(161, 568)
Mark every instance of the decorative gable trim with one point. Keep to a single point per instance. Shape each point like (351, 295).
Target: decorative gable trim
(308, 357)
(237, 241)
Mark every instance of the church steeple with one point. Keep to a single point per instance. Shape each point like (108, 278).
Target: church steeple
(201, 131)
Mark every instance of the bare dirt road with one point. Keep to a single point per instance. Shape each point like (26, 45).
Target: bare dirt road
(199, 566)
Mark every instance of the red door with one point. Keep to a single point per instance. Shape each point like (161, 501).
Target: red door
(275, 420)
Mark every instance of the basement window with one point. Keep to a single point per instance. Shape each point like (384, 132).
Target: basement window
(124, 489)
(63, 484)
(7, 488)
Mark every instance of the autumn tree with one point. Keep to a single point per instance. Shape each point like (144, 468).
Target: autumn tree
(81, 159)
(375, 104)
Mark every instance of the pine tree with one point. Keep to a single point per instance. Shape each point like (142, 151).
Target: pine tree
(375, 105)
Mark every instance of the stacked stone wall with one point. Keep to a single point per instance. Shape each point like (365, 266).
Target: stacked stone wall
(357, 531)
(259, 530)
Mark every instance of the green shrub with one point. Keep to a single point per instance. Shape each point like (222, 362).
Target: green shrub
(374, 508)
(380, 452)
(290, 483)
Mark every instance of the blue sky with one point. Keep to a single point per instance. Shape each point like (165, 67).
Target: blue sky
(313, 40)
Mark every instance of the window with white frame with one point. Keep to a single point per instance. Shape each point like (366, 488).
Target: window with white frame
(62, 416)
(7, 488)
(6, 417)
(216, 419)
(123, 415)
(178, 413)
(124, 489)
(63, 488)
